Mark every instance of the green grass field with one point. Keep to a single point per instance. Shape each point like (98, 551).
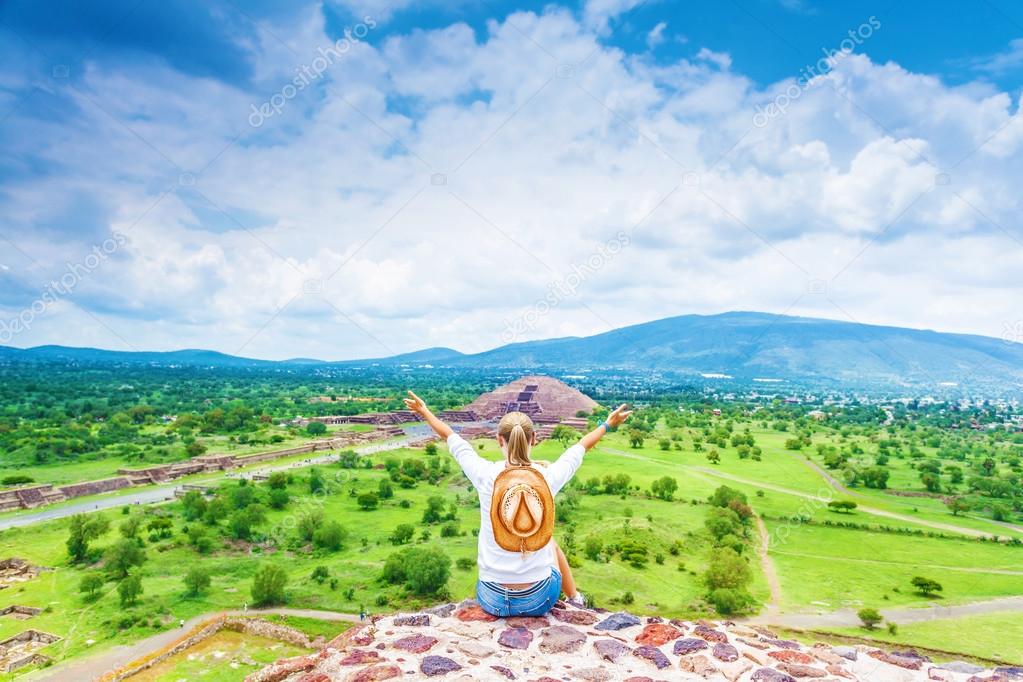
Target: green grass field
(225, 657)
(820, 567)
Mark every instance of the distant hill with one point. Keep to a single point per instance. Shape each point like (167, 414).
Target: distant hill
(742, 345)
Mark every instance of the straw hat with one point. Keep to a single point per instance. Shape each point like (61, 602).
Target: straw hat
(522, 510)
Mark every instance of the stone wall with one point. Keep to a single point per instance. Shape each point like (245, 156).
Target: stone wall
(462, 643)
(205, 630)
(105, 485)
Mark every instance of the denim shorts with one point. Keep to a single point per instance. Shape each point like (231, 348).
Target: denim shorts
(498, 600)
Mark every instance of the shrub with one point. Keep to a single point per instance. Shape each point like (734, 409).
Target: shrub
(434, 511)
(727, 600)
(330, 536)
(664, 487)
(368, 501)
(385, 490)
(320, 574)
(279, 498)
(842, 506)
(870, 618)
(268, 585)
(424, 571)
(316, 428)
(402, 534)
(278, 480)
(465, 564)
(16, 479)
(727, 569)
(449, 530)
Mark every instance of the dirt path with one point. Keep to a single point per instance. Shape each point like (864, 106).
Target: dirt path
(91, 667)
(901, 616)
(773, 607)
(869, 510)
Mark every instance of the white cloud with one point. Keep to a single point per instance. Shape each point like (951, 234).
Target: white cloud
(447, 177)
(656, 35)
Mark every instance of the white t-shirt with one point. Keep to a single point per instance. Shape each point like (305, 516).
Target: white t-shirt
(496, 564)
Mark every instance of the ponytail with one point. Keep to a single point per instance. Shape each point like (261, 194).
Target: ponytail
(517, 431)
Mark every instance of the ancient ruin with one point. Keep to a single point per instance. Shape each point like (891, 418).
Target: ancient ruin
(23, 649)
(20, 612)
(545, 399)
(461, 642)
(15, 570)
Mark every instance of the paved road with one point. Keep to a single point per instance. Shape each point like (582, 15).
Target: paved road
(163, 493)
(92, 667)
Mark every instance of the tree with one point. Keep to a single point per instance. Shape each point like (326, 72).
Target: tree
(592, 548)
(424, 571)
(958, 504)
(636, 438)
(194, 449)
(197, 580)
(194, 505)
(129, 589)
(434, 511)
(664, 487)
(330, 536)
(84, 529)
(727, 569)
(565, 434)
(402, 533)
(268, 585)
(278, 480)
(279, 498)
(316, 428)
(90, 584)
(926, 586)
(368, 501)
(308, 523)
(122, 556)
(842, 506)
(130, 526)
(713, 457)
(431, 449)
(316, 482)
(870, 618)
(385, 490)
(348, 459)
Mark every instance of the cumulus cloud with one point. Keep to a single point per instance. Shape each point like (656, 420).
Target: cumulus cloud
(431, 185)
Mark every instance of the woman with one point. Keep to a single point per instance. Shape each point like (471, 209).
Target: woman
(517, 583)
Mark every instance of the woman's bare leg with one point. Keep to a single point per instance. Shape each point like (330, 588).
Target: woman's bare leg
(567, 580)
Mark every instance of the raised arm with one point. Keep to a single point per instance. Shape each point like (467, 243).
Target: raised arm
(614, 419)
(416, 404)
(474, 466)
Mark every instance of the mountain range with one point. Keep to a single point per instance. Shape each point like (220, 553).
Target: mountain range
(739, 345)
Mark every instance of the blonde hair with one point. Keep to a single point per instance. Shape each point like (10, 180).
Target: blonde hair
(517, 431)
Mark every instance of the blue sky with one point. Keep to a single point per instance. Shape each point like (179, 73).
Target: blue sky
(351, 179)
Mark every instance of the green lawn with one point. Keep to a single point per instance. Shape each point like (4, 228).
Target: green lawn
(996, 636)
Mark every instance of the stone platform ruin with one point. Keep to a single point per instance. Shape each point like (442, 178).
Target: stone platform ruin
(23, 649)
(462, 643)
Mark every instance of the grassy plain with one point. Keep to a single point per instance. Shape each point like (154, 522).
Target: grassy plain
(820, 567)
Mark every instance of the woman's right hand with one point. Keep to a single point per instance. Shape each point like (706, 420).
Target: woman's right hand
(618, 417)
(416, 404)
